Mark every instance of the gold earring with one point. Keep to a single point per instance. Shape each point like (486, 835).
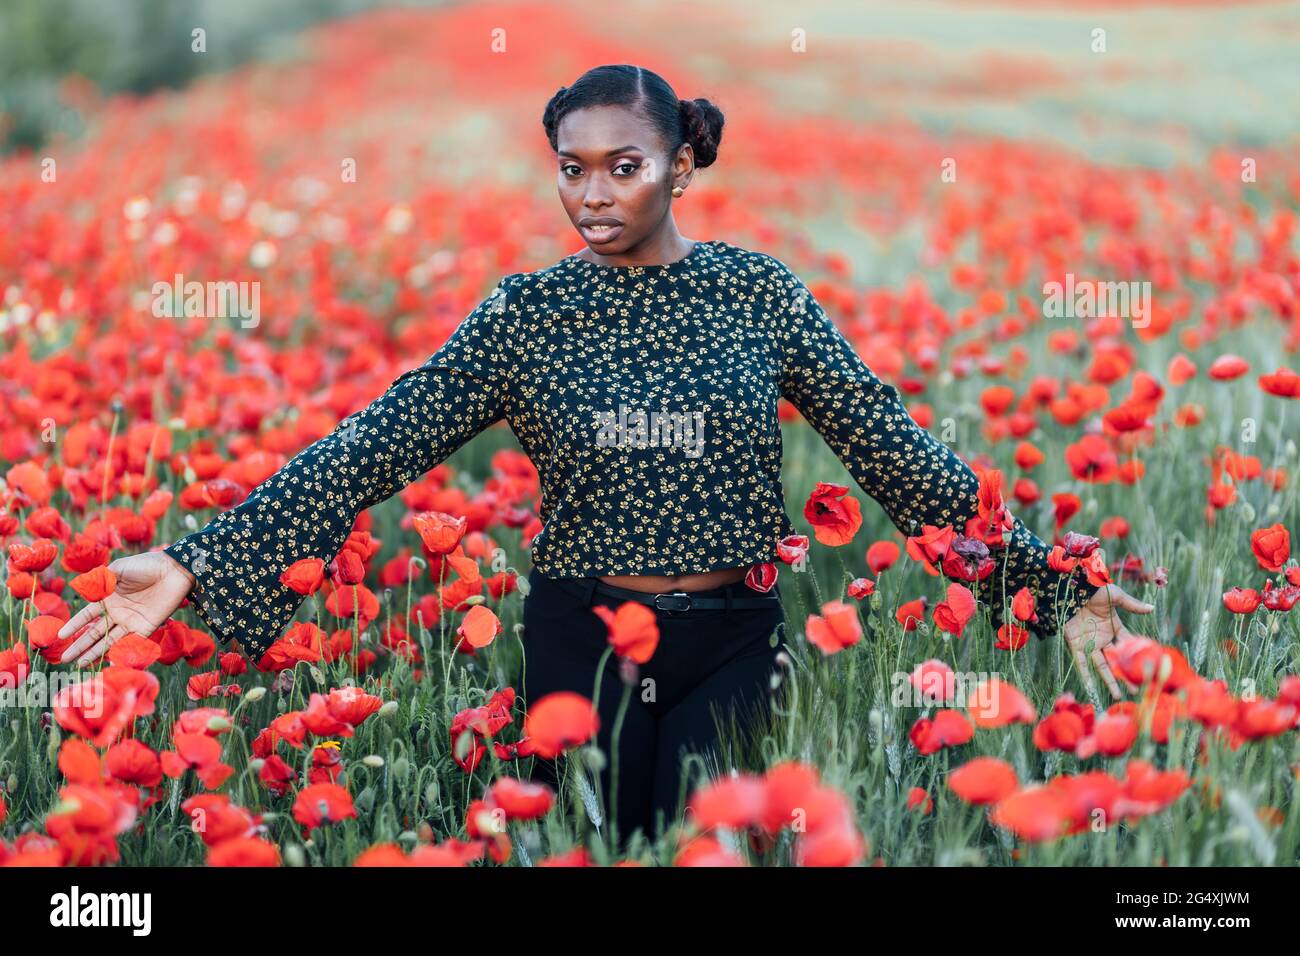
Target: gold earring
(677, 192)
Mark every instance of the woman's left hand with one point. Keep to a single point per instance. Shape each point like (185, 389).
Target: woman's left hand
(1098, 622)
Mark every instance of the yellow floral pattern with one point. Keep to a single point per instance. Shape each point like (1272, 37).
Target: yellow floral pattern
(721, 334)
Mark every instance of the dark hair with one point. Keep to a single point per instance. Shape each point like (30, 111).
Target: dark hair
(678, 121)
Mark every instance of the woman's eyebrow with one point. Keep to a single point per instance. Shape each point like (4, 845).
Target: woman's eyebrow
(612, 152)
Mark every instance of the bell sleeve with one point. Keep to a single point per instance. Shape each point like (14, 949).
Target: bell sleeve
(309, 507)
(917, 479)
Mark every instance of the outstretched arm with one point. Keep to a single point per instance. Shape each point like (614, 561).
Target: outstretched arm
(917, 479)
(308, 507)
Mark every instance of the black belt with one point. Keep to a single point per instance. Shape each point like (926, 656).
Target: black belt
(687, 601)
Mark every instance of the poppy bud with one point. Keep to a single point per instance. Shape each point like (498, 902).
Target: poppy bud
(294, 856)
(389, 708)
(594, 758)
(348, 568)
(256, 694)
(374, 761)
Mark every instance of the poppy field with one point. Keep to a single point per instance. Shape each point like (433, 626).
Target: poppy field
(356, 198)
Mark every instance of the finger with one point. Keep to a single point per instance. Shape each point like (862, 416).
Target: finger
(1104, 670)
(1129, 603)
(98, 651)
(93, 633)
(80, 619)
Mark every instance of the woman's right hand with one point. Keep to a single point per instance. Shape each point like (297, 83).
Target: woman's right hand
(1097, 624)
(150, 587)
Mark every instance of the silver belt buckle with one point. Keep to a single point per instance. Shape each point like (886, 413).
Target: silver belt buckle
(682, 598)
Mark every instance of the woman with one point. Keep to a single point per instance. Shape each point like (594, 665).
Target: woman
(641, 377)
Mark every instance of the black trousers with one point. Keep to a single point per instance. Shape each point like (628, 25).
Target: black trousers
(708, 663)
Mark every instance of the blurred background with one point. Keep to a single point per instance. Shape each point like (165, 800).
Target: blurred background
(1215, 68)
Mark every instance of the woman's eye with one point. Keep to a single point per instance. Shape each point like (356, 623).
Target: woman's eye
(629, 163)
(566, 169)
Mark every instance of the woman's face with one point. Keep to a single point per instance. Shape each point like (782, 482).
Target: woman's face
(613, 168)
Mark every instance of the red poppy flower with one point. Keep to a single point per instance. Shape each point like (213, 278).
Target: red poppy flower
(918, 799)
(735, 802)
(201, 686)
(33, 558)
(43, 630)
(1092, 459)
(948, 729)
(912, 613)
(983, 780)
(1112, 735)
(322, 803)
(440, 532)
(834, 514)
(305, 576)
(935, 680)
(521, 800)
(1148, 790)
(1067, 724)
(953, 614)
(14, 667)
(96, 584)
(930, 546)
(1142, 660)
(1283, 383)
(88, 819)
(1227, 367)
(132, 650)
(132, 762)
(244, 852)
(792, 549)
(1024, 605)
(560, 720)
(762, 577)
(633, 630)
(1241, 600)
(860, 588)
(79, 762)
(1037, 814)
(1272, 547)
(882, 555)
(480, 626)
(94, 709)
(995, 703)
(837, 627)
(789, 790)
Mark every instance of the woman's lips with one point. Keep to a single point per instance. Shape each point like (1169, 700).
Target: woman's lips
(600, 233)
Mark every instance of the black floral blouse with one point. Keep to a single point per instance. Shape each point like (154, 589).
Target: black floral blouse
(646, 397)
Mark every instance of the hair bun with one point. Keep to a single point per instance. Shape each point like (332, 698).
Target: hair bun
(702, 124)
